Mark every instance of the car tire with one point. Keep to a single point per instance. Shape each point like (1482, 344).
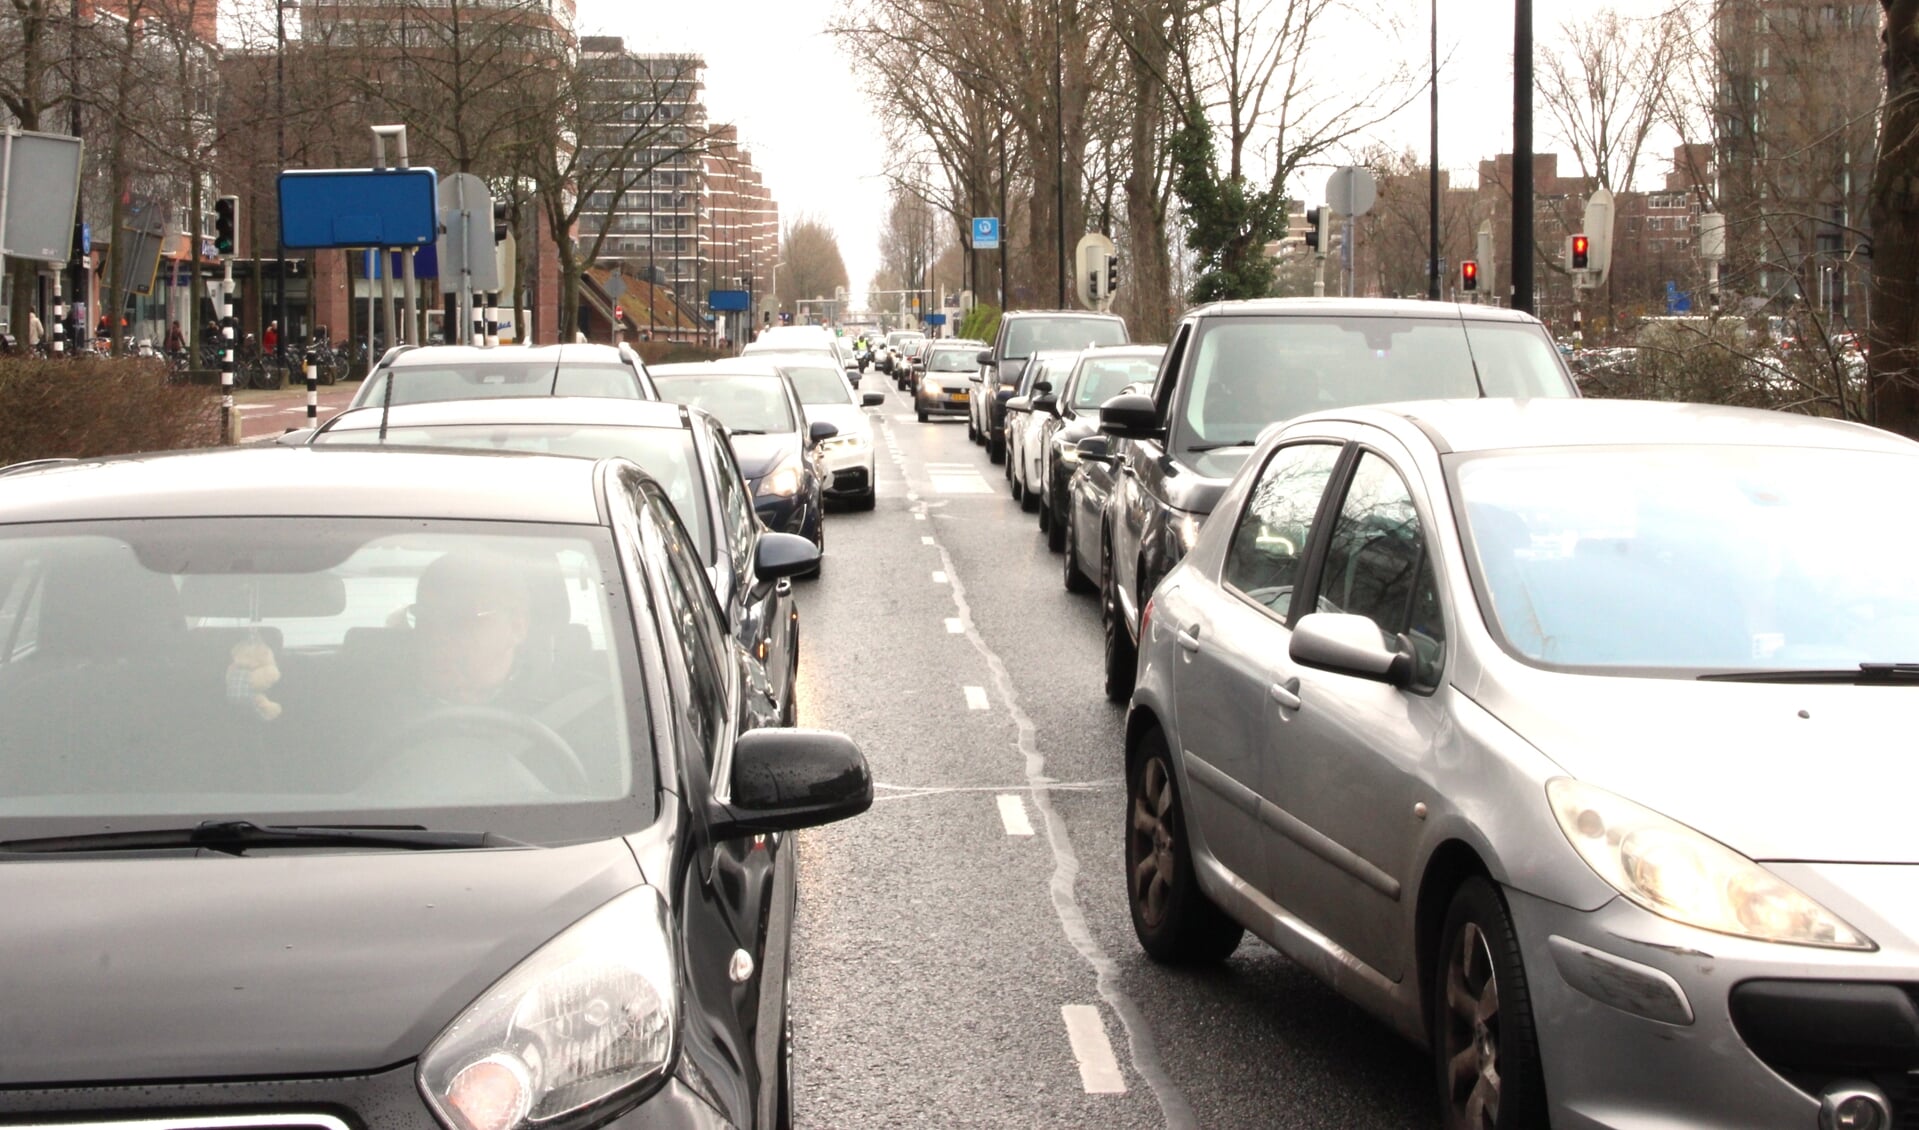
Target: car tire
(922, 415)
(996, 449)
(1045, 518)
(1053, 519)
(868, 500)
(1122, 655)
(783, 1105)
(1484, 1043)
(972, 432)
(1028, 501)
(1175, 922)
(1075, 578)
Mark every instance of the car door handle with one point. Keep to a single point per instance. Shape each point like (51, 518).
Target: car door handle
(1286, 694)
(1189, 638)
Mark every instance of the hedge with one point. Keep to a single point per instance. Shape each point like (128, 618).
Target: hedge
(99, 406)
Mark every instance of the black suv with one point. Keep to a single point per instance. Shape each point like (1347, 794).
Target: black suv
(1236, 368)
(1023, 333)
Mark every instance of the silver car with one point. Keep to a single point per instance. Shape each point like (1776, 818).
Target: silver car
(1566, 738)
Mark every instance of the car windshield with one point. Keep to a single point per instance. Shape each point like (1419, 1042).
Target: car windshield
(953, 361)
(1695, 558)
(418, 384)
(665, 453)
(817, 385)
(1248, 373)
(1027, 336)
(475, 676)
(743, 403)
(1100, 379)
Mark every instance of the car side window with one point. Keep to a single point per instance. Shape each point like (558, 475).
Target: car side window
(689, 623)
(736, 511)
(1377, 566)
(1269, 543)
(1168, 374)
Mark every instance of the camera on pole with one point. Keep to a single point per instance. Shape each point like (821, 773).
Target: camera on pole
(226, 222)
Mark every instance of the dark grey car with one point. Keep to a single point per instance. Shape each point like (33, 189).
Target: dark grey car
(1100, 375)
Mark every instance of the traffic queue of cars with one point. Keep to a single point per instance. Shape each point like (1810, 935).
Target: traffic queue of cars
(490, 743)
(1561, 735)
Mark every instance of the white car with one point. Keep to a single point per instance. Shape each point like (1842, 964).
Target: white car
(851, 459)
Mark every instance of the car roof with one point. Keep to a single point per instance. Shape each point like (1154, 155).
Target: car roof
(792, 357)
(1146, 350)
(518, 410)
(1493, 424)
(1357, 308)
(555, 354)
(304, 482)
(754, 366)
(1060, 314)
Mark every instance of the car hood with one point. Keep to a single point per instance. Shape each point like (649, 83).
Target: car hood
(850, 419)
(1774, 771)
(758, 455)
(269, 965)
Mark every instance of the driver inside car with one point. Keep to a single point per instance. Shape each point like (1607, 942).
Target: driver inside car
(470, 619)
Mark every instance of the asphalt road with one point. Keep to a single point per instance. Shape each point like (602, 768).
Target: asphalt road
(964, 955)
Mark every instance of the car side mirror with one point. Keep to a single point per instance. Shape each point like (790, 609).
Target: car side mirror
(1048, 404)
(872, 399)
(1020, 404)
(1096, 449)
(1041, 387)
(783, 555)
(786, 779)
(1349, 645)
(819, 431)
(985, 357)
(1131, 415)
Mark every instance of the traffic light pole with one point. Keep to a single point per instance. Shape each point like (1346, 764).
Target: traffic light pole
(226, 353)
(1523, 155)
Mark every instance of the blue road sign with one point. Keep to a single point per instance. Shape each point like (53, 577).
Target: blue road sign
(728, 301)
(426, 263)
(86, 239)
(985, 233)
(322, 208)
(936, 319)
(1677, 301)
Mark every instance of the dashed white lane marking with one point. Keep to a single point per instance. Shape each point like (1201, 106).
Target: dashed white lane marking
(939, 577)
(955, 626)
(926, 541)
(1098, 1070)
(956, 478)
(919, 517)
(976, 698)
(1012, 813)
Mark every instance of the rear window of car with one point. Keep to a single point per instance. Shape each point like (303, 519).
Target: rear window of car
(1101, 380)
(819, 385)
(747, 405)
(420, 384)
(1027, 336)
(953, 361)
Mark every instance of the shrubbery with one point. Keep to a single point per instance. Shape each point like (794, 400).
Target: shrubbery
(99, 406)
(1724, 363)
(981, 323)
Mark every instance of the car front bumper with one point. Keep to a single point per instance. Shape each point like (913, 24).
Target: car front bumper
(1646, 1024)
(849, 470)
(948, 402)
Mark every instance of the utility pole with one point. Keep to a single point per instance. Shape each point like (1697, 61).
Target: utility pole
(280, 150)
(1523, 155)
(1432, 286)
(79, 260)
(1059, 150)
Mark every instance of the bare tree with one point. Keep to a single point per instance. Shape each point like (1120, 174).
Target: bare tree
(814, 266)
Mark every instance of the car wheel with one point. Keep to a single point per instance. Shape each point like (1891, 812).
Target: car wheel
(783, 1108)
(1076, 579)
(1045, 518)
(1053, 519)
(1028, 501)
(972, 432)
(1122, 656)
(1172, 918)
(996, 449)
(922, 415)
(1485, 1051)
(868, 500)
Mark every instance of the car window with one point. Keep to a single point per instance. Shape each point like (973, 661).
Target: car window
(665, 453)
(953, 361)
(1027, 336)
(690, 619)
(819, 385)
(1376, 566)
(1269, 542)
(736, 510)
(419, 384)
(344, 670)
(746, 405)
(1250, 372)
(1101, 380)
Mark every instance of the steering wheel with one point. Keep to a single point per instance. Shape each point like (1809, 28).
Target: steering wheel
(546, 754)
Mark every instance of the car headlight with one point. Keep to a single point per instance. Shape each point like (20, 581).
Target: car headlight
(930, 387)
(1680, 874)
(588, 1017)
(784, 482)
(851, 442)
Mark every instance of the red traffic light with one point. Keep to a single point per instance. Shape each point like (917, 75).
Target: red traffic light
(1469, 275)
(1581, 252)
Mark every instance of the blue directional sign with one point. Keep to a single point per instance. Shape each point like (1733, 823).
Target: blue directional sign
(728, 301)
(935, 319)
(321, 208)
(985, 233)
(426, 264)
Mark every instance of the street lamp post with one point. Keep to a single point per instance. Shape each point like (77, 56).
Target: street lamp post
(1432, 281)
(280, 149)
(1059, 150)
(1523, 155)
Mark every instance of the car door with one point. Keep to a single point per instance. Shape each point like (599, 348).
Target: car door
(1346, 755)
(1138, 497)
(1225, 628)
(763, 624)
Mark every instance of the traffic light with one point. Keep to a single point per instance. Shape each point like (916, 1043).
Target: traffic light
(1582, 252)
(1469, 275)
(1316, 229)
(226, 221)
(502, 221)
(1112, 273)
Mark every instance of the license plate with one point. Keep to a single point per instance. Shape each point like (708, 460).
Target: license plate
(960, 397)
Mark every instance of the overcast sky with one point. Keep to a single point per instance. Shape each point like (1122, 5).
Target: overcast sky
(773, 71)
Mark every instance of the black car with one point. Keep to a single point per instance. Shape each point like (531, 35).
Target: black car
(1236, 368)
(1023, 333)
(781, 455)
(1099, 375)
(1044, 371)
(684, 449)
(424, 801)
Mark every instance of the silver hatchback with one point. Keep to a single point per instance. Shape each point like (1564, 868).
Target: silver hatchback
(1567, 737)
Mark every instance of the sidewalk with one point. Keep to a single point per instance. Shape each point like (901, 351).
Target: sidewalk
(267, 413)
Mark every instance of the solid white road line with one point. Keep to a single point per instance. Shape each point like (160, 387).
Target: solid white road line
(1012, 813)
(1098, 1070)
(955, 626)
(976, 698)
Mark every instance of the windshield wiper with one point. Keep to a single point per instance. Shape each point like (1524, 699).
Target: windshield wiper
(745, 431)
(1202, 447)
(237, 836)
(1888, 673)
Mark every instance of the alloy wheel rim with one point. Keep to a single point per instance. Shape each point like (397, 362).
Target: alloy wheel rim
(1151, 840)
(1472, 1032)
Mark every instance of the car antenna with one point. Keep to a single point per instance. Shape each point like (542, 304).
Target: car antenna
(1466, 332)
(386, 402)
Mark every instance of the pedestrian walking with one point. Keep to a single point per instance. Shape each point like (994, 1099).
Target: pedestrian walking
(271, 341)
(35, 331)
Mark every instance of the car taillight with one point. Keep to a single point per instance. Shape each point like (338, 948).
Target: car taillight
(1145, 619)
